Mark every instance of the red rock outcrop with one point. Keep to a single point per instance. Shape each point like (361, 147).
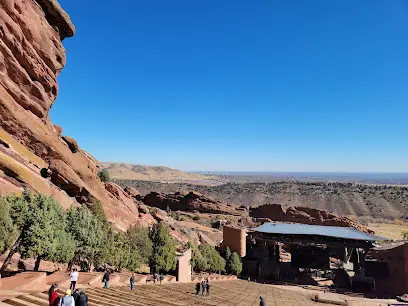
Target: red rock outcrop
(31, 57)
(305, 215)
(191, 201)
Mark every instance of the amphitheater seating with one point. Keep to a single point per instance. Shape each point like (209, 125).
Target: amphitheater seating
(234, 292)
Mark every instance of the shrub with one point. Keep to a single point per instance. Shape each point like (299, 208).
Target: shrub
(104, 176)
(44, 172)
(196, 218)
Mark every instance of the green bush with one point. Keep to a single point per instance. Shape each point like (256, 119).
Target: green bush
(196, 218)
(163, 258)
(44, 172)
(104, 176)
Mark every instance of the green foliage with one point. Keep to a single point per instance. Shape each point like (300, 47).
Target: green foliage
(215, 262)
(44, 172)
(198, 262)
(163, 258)
(234, 264)
(97, 210)
(104, 176)
(196, 218)
(7, 229)
(88, 232)
(405, 235)
(139, 240)
(41, 226)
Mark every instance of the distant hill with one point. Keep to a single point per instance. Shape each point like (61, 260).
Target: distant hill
(122, 171)
(361, 200)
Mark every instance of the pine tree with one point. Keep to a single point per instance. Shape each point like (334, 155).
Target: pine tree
(8, 231)
(104, 176)
(163, 258)
(235, 264)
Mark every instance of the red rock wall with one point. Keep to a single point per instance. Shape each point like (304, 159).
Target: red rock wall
(31, 57)
(305, 215)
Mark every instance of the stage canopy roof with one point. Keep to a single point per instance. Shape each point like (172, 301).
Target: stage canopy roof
(318, 230)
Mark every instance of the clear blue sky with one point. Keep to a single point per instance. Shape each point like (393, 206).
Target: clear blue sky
(239, 85)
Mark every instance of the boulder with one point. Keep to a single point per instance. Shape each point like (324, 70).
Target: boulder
(304, 215)
(191, 201)
(58, 129)
(72, 143)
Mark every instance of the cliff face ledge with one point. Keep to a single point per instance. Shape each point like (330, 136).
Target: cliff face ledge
(31, 57)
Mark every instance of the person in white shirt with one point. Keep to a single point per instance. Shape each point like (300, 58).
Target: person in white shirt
(74, 278)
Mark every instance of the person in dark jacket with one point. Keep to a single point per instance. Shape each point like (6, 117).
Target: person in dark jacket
(262, 301)
(106, 279)
(75, 295)
(132, 281)
(82, 299)
(198, 286)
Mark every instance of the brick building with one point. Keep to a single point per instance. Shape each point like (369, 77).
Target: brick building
(235, 239)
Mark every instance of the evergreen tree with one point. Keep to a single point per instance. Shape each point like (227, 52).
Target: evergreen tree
(40, 226)
(163, 258)
(7, 229)
(89, 234)
(139, 240)
(198, 262)
(215, 262)
(235, 264)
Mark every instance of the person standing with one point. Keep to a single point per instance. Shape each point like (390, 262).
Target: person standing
(74, 278)
(198, 286)
(207, 286)
(161, 278)
(106, 279)
(82, 299)
(75, 295)
(132, 281)
(67, 300)
(262, 301)
(202, 287)
(53, 297)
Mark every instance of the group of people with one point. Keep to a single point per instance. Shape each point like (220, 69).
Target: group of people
(204, 286)
(78, 298)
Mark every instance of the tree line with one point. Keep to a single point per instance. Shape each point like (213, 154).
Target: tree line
(36, 226)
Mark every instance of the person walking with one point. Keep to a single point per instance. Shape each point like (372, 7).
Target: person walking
(106, 279)
(161, 278)
(132, 281)
(53, 297)
(262, 301)
(67, 300)
(202, 287)
(207, 286)
(82, 299)
(73, 278)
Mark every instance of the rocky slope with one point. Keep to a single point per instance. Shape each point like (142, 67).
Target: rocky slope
(197, 203)
(33, 152)
(372, 201)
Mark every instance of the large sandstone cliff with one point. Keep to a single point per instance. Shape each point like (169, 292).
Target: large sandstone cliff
(33, 152)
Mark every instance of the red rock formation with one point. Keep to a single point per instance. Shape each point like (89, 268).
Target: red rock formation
(31, 57)
(189, 202)
(305, 215)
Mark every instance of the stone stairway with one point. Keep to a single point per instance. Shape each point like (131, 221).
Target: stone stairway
(235, 292)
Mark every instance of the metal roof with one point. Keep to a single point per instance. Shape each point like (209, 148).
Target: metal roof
(319, 230)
